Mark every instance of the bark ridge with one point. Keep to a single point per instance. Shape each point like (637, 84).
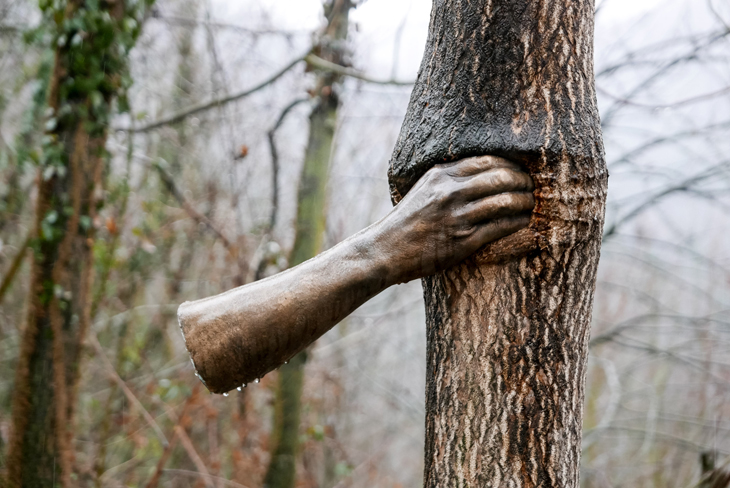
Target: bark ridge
(508, 329)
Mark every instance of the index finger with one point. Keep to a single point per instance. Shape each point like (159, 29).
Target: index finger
(477, 164)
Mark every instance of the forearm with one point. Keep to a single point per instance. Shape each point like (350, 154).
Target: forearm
(240, 335)
(452, 211)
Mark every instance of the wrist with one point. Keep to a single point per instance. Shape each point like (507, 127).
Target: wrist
(375, 255)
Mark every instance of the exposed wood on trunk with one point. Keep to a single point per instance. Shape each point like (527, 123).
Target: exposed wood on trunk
(508, 329)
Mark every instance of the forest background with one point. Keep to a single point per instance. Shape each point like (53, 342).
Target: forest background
(199, 203)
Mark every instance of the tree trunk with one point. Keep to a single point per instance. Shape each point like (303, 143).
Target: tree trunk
(92, 43)
(310, 227)
(508, 329)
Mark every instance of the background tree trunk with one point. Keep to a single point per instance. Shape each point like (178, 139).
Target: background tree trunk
(310, 228)
(89, 69)
(508, 328)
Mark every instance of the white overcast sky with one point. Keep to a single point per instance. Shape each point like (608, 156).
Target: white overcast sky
(378, 20)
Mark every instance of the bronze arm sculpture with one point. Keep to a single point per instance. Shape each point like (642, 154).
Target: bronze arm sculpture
(452, 211)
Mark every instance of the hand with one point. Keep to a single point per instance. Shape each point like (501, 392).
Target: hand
(452, 211)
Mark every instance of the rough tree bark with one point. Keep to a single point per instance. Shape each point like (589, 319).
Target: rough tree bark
(310, 227)
(508, 329)
(91, 41)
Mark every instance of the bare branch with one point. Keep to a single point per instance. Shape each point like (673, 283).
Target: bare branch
(188, 22)
(194, 456)
(683, 185)
(11, 29)
(686, 101)
(182, 115)
(14, 267)
(169, 182)
(633, 322)
(127, 392)
(684, 443)
(670, 138)
(317, 62)
(631, 58)
(208, 478)
(717, 15)
(611, 112)
(168, 450)
(311, 60)
(275, 161)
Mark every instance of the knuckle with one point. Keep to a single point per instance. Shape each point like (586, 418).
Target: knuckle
(504, 199)
(464, 230)
(432, 174)
(505, 177)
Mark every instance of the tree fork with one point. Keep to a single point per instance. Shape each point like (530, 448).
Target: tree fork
(508, 329)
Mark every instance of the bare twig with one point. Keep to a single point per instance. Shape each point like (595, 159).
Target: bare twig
(171, 186)
(679, 103)
(207, 477)
(634, 58)
(182, 115)
(311, 60)
(184, 439)
(626, 157)
(275, 161)
(194, 456)
(683, 185)
(678, 441)
(14, 267)
(11, 29)
(615, 331)
(188, 22)
(717, 15)
(127, 392)
(168, 450)
(709, 474)
(317, 62)
(611, 112)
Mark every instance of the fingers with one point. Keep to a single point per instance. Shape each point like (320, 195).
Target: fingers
(497, 206)
(476, 165)
(496, 181)
(496, 229)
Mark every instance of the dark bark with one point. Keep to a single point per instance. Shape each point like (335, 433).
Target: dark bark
(310, 227)
(508, 329)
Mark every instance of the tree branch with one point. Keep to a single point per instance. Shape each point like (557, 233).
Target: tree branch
(11, 29)
(626, 157)
(171, 186)
(317, 62)
(127, 392)
(188, 22)
(611, 112)
(275, 161)
(679, 103)
(14, 267)
(182, 115)
(207, 477)
(311, 60)
(684, 185)
(153, 482)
